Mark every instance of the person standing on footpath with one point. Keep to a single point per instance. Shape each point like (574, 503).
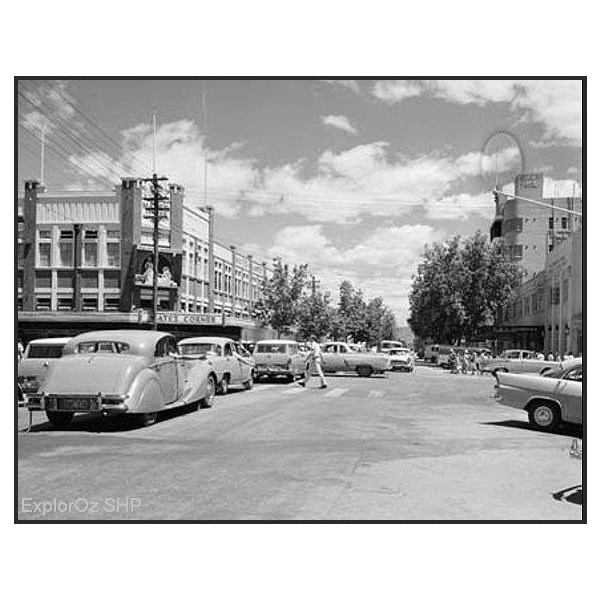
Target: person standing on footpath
(314, 361)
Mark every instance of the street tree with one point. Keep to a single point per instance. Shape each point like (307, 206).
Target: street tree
(281, 296)
(315, 315)
(381, 322)
(460, 288)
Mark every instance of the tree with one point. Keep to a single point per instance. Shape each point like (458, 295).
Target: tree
(315, 315)
(460, 288)
(350, 320)
(281, 296)
(381, 323)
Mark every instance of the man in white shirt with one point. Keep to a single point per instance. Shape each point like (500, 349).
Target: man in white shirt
(314, 361)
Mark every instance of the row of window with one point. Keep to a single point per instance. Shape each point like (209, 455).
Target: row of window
(60, 251)
(43, 303)
(65, 279)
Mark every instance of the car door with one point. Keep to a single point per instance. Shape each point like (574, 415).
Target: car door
(242, 356)
(568, 392)
(232, 364)
(165, 366)
(330, 357)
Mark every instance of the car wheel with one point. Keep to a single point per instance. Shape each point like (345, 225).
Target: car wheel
(211, 390)
(544, 416)
(224, 387)
(364, 371)
(59, 419)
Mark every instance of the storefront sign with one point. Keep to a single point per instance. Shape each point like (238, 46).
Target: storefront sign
(188, 318)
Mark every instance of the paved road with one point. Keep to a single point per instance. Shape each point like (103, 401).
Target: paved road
(427, 445)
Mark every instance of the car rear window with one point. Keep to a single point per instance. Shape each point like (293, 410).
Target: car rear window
(102, 347)
(45, 351)
(202, 348)
(272, 348)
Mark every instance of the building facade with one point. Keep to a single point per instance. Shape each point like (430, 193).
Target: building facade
(547, 312)
(529, 232)
(88, 259)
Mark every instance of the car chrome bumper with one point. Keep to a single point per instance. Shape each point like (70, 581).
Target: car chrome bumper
(80, 403)
(272, 371)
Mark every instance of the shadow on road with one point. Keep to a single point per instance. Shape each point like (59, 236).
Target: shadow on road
(574, 495)
(567, 430)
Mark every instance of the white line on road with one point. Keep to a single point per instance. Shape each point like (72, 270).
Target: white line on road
(336, 392)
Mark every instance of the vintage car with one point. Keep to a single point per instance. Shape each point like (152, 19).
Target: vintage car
(275, 358)
(37, 360)
(232, 363)
(339, 356)
(518, 361)
(402, 359)
(549, 400)
(120, 372)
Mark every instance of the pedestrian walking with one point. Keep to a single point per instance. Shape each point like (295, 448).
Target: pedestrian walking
(314, 361)
(550, 357)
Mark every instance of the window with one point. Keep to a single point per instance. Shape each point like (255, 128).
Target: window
(42, 303)
(43, 279)
(64, 303)
(111, 303)
(113, 254)
(45, 350)
(575, 374)
(551, 223)
(45, 248)
(111, 279)
(228, 350)
(65, 248)
(90, 248)
(103, 346)
(89, 279)
(517, 252)
(89, 303)
(564, 222)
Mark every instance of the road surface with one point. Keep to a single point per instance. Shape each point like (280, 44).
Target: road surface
(423, 446)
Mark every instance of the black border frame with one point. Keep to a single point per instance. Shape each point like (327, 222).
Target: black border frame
(583, 80)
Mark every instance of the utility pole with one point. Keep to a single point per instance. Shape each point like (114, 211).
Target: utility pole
(156, 208)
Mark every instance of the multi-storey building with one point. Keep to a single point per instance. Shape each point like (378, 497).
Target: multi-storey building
(85, 260)
(529, 231)
(547, 312)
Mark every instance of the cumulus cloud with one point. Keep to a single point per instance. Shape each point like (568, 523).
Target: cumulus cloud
(556, 104)
(349, 84)
(340, 122)
(381, 263)
(396, 91)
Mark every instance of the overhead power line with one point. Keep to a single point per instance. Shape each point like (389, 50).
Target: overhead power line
(551, 206)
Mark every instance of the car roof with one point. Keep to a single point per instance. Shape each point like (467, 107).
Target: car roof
(206, 340)
(56, 340)
(140, 340)
(277, 342)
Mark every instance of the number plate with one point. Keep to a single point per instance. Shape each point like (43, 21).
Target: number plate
(77, 404)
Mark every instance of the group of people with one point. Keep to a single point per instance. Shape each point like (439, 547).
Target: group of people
(466, 362)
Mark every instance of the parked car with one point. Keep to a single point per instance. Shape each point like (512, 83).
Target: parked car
(339, 356)
(518, 361)
(35, 365)
(386, 345)
(232, 363)
(117, 372)
(549, 400)
(402, 359)
(279, 358)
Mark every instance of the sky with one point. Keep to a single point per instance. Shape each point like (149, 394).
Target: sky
(353, 177)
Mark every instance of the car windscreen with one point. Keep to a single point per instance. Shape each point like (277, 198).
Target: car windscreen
(45, 351)
(201, 348)
(102, 347)
(271, 348)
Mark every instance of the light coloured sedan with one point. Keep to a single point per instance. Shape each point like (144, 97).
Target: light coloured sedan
(128, 372)
(549, 400)
(339, 356)
(402, 359)
(518, 361)
(232, 363)
(276, 358)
